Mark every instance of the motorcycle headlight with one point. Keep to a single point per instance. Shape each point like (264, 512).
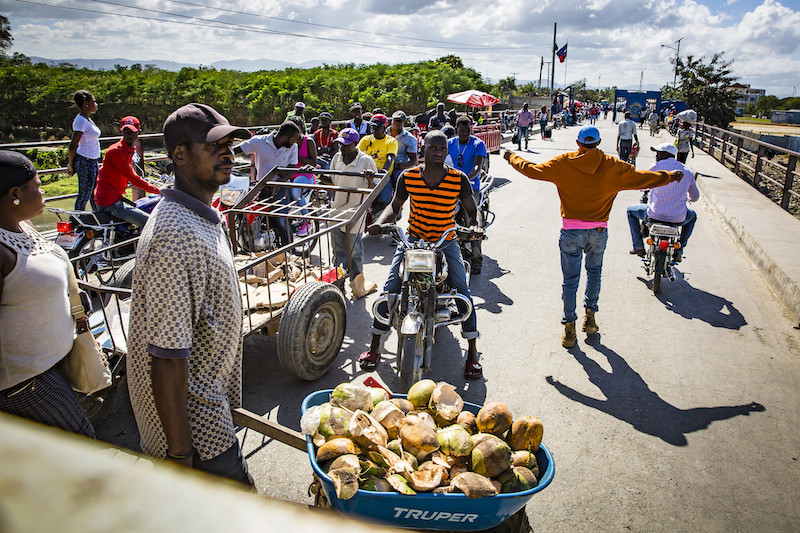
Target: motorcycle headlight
(420, 261)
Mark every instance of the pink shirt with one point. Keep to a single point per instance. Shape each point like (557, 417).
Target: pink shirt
(571, 223)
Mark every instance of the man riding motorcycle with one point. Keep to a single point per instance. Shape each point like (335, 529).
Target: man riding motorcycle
(433, 189)
(666, 203)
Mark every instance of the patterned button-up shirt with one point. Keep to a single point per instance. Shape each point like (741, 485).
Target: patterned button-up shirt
(668, 203)
(186, 304)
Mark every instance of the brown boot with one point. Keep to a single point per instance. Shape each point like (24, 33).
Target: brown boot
(589, 325)
(569, 337)
(362, 287)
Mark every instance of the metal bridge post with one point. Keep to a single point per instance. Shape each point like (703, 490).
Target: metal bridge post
(757, 171)
(738, 156)
(787, 184)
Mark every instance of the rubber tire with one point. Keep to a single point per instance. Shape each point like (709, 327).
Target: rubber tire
(656, 282)
(314, 307)
(123, 276)
(410, 361)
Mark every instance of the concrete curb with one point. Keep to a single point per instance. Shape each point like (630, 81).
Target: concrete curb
(785, 288)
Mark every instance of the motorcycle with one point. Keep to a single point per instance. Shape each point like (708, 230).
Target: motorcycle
(426, 302)
(663, 238)
(84, 232)
(462, 222)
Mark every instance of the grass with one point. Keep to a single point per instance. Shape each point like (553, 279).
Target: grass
(749, 120)
(67, 185)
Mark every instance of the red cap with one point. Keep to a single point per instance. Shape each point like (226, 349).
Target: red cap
(130, 122)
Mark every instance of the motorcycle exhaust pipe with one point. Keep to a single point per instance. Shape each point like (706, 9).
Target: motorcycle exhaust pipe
(391, 300)
(444, 298)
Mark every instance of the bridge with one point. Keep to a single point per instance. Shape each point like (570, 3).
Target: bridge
(681, 414)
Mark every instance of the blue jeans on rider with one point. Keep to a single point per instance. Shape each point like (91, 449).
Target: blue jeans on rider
(574, 244)
(638, 212)
(340, 252)
(457, 279)
(122, 211)
(522, 131)
(296, 193)
(385, 196)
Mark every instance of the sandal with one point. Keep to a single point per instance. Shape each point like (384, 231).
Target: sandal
(473, 370)
(369, 360)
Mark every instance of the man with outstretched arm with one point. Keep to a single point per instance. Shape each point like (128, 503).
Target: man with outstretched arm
(433, 190)
(184, 361)
(588, 181)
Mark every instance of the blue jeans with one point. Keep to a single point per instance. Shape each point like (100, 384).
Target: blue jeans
(522, 130)
(86, 169)
(296, 193)
(457, 279)
(638, 212)
(356, 265)
(625, 146)
(574, 244)
(125, 212)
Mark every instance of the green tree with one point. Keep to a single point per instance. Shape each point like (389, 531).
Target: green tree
(766, 104)
(507, 85)
(705, 88)
(750, 109)
(452, 60)
(5, 35)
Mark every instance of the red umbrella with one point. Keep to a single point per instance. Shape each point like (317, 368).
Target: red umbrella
(473, 98)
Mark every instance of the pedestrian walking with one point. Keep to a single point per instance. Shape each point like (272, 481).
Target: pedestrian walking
(524, 119)
(626, 134)
(588, 181)
(83, 154)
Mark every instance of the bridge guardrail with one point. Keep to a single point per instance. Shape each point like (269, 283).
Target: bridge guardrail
(778, 180)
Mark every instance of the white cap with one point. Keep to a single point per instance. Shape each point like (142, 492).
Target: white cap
(666, 147)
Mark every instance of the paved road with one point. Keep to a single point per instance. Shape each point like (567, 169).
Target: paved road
(681, 415)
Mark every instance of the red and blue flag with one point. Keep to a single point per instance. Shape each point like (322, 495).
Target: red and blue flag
(562, 54)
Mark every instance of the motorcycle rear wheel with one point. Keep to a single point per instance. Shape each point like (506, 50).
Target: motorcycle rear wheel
(657, 282)
(410, 356)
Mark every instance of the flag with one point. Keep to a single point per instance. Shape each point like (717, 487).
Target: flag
(562, 54)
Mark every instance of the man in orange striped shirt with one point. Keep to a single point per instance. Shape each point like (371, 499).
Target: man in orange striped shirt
(433, 190)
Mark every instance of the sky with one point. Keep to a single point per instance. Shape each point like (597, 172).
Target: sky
(610, 42)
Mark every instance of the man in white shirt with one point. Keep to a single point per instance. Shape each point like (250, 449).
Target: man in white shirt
(274, 149)
(351, 159)
(653, 120)
(626, 133)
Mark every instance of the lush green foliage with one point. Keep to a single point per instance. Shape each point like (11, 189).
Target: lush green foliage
(704, 88)
(36, 99)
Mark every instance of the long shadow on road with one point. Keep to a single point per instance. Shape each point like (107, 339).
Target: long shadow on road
(481, 286)
(630, 400)
(690, 302)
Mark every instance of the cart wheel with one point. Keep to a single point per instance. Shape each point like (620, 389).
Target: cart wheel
(311, 331)
(123, 276)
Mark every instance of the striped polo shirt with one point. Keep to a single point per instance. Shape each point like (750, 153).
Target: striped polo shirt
(432, 210)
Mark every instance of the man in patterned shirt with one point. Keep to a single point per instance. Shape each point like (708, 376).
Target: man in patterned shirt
(667, 203)
(433, 190)
(185, 352)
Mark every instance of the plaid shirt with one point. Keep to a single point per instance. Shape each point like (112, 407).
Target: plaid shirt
(668, 203)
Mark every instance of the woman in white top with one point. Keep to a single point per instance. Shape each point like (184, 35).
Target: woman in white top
(84, 149)
(36, 325)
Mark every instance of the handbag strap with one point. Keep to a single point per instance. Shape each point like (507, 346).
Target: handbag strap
(76, 305)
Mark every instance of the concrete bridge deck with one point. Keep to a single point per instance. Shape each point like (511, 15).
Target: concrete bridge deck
(681, 415)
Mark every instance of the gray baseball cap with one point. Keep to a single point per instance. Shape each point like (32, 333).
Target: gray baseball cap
(199, 123)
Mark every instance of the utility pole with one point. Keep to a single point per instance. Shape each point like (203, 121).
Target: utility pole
(641, 79)
(555, 48)
(541, 64)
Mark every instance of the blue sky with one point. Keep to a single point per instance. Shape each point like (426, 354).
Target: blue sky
(611, 42)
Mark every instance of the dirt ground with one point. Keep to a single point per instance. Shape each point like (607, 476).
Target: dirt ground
(769, 129)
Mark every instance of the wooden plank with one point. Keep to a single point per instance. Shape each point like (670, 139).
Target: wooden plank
(271, 429)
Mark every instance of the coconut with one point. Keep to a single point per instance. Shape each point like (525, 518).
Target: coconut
(369, 468)
(400, 484)
(403, 404)
(466, 419)
(526, 434)
(378, 395)
(526, 459)
(445, 402)
(428, 477)
(490, 457)
(454, 440)
(418, 437)
(473, 485)
(366, 431)
(345, 482)
(478, 437)
(447, 489)
(349, 461)
(420, 393)
(336, 447)
(413, 461)
(428, 419)
(517, 479)
(390, 416)
(318, 439)
(333, 422)
(352, 397)
(376, 484)
(396, 446)
(494, 418)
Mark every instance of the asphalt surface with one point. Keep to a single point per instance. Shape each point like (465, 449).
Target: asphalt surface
(680, 415)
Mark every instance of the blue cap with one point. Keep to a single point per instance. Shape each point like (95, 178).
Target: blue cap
(588, 135)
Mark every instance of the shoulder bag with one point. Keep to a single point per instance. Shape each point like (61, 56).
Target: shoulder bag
(85, 367)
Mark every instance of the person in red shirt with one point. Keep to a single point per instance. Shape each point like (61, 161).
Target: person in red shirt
(324, 138)
(117, 172)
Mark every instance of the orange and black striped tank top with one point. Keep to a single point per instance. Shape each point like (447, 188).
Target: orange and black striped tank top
(432, 210)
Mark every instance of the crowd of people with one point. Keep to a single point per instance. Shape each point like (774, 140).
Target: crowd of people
(185, 343)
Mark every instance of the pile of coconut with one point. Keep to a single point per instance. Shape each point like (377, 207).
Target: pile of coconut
(425, 443)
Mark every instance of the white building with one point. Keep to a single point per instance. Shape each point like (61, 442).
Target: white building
(745, 95)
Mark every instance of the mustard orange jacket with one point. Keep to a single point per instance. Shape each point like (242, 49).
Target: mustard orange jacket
(588, 181)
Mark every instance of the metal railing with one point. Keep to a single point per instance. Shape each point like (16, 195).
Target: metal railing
(769, 168)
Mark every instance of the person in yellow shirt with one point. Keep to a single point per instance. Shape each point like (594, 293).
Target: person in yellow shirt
(383, 149)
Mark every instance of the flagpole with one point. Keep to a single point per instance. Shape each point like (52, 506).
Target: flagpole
(566, 57)
(553, 70)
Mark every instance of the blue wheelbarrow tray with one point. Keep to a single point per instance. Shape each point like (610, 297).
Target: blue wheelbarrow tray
(424, 510)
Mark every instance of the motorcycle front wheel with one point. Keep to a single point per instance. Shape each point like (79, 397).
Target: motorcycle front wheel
(410, 354)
